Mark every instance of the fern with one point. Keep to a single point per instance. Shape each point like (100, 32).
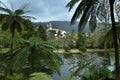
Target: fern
(35, 53)
(39, 76)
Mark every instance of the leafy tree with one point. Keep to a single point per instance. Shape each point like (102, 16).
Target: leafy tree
(81, 42)
(41, 32)
(105, 35)
(89, 9)
(98, 38)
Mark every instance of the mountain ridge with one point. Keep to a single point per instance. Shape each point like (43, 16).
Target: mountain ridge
(63, 25)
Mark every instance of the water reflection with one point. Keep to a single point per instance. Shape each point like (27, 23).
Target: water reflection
(72, 61)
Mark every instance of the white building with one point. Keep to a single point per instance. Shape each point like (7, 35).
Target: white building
(62, 33)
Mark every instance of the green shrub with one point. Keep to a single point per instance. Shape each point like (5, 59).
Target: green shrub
(11, 77)
(67, 48)
(82, 48)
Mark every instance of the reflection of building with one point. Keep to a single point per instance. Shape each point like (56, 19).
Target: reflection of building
(58, 33)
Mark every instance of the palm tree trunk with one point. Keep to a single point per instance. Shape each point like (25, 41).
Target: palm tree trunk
(111, 2)
(13, 30)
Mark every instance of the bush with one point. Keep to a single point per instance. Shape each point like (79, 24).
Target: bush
(82, 48)
(67, 48)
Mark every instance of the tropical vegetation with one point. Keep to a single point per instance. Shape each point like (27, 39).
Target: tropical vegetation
(93, 10)
(28, 52)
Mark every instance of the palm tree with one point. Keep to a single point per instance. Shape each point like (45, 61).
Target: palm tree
(89, 10)
(14, 21)
(111, 2)
(33, 54)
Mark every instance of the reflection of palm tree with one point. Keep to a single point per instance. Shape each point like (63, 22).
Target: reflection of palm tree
(89, 9)
(14, 20)
(91, 67)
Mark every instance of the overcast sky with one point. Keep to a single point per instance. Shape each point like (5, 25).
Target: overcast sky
(43, 10)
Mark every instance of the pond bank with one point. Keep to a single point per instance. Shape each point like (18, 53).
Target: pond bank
(70, 51)
(77, 51)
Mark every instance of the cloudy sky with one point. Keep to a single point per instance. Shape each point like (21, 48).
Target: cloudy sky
(43, 10)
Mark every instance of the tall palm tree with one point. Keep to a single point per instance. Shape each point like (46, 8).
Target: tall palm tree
(14, 21)
(111, 2)
(89, 10)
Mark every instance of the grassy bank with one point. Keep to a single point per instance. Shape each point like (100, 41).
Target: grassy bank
(3, 50)
(88, 50)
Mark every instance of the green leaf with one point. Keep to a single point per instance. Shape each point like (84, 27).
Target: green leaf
(71, 4)
(92, 23)
(6, 10)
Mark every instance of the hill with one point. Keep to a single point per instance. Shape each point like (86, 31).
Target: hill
(63, 25)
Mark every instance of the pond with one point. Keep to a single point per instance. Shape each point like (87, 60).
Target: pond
(72, 60)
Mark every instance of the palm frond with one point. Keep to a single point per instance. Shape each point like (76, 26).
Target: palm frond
(20, 58)
(7, 55)
(6, 10)
(40, 76)
(3, 4)
(88, 10)
(34, 52)
(52, 43)
(85, 17)
(28, 17)
(78, 12)
(19, 12)
(50, 59)
(71, 4)
(92, 23)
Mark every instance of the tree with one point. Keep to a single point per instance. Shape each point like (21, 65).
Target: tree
(41, 32)
(14, 21)
(108, 34)
(34, 55)
(89, 10)
(111, 2)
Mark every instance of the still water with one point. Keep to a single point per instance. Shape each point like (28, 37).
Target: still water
(72, 60)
